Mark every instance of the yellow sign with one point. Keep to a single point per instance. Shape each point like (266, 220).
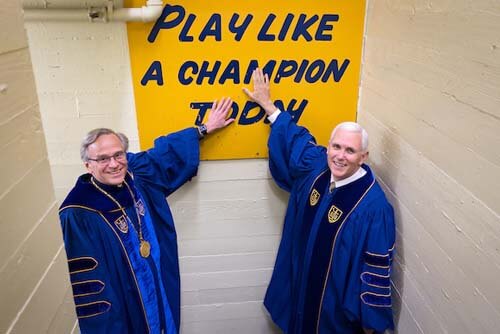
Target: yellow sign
(199, 51)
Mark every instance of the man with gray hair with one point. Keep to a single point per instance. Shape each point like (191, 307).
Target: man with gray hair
(119, 233)
(332, 271)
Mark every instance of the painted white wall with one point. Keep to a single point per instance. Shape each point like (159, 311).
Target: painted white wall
(430, 100)
(33, 270)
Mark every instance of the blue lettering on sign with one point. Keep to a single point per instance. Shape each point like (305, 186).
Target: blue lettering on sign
(183, 36)
(295, 112)
(267, 69)
(286, 69)
(162, 24)
(202, 108)
(238, 31)
(308, 28)
(190, 71)
(188, 65)
(205, 72)
(311, 72)
(325, 26)
(263, 35)
(232, 72)
(334, 70)
(303, 28)
(212, 28)
(154, 73)
(202, 72)
(246, 116)
(247, 120)
(285, 27)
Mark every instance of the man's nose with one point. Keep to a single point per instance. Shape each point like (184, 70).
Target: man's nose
(113, 162)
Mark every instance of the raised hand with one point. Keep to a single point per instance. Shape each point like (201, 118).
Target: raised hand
(261, 93)
(217, 117)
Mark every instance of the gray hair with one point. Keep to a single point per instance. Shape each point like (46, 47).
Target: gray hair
(353, 127)
(93, 135)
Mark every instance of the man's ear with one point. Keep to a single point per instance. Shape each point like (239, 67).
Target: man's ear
(364, 157)
(87, 166)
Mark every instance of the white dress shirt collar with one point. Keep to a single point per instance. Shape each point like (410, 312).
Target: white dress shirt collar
(357, 175)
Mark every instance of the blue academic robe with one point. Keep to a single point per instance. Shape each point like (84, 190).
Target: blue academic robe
(354, 257)
(115, 289)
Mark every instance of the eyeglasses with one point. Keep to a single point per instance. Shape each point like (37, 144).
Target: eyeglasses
(118, 156)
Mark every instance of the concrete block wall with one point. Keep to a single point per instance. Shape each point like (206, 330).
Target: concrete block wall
(430, 102)
(229, 225)
(83, 78)
(33, 279)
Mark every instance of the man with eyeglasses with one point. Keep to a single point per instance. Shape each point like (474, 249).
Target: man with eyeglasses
(119, 233)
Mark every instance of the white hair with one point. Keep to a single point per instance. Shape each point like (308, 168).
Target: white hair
(353, 127)
(93, 135)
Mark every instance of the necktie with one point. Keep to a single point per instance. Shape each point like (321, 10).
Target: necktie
(332, 186)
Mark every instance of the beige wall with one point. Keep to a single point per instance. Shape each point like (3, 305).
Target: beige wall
(430, 99)
(33, 283)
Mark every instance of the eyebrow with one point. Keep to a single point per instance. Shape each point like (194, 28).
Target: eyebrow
(107, 156)
(347, 147)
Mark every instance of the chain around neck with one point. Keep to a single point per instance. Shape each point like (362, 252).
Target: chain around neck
(114, 200)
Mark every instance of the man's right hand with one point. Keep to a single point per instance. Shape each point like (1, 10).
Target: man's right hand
(261, 93)
(217, 118)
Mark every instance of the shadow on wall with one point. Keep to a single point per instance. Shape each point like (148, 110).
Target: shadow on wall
(389, 184)
(280, 194)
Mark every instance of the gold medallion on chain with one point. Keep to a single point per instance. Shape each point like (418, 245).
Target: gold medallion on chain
(145, 248)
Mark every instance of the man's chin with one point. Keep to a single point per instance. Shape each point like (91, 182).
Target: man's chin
(338, 174)
(117, 180)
